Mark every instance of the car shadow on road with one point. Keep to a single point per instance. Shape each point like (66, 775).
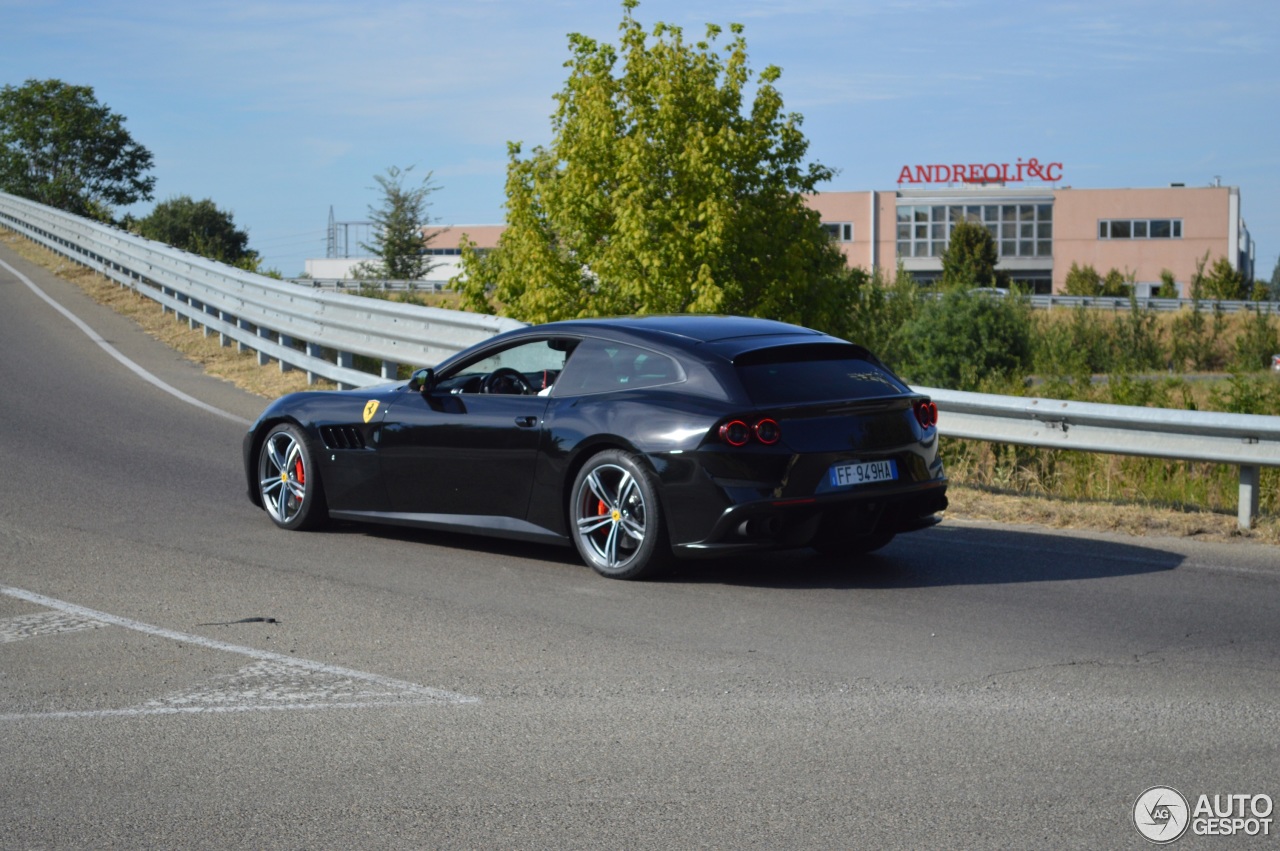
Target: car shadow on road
(943, 556)
(939, 557)
(460, 541)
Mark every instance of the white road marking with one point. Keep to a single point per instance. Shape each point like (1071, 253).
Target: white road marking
(120, 356)
(43, 623)
(274, 683)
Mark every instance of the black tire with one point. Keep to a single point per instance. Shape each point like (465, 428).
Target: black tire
(851, 545)
(615, 518)
(289, 480)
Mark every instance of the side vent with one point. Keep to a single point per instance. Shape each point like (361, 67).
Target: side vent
(342, 437)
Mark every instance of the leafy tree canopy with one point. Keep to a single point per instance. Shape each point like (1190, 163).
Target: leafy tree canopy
(399, 240)
(1223, 282)
(1116, 284)
(1085, 281)
(60, 147)
(1168, 285)
(199, 227)
(971, 257)
(659, 194)
(965, 340)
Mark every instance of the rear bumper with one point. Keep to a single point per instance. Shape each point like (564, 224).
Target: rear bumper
(790, 523)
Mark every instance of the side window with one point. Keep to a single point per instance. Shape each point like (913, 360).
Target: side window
(602, 366)
(539, 362)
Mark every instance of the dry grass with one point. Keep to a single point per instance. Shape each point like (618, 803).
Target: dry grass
(973, 503)
(967, 501)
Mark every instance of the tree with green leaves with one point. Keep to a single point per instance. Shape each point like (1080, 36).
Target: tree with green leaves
(1083, 280)
(1116, 284)
(60, 147)
(964, 341)
(883, 305)
(400, 238)
(971, 257)
(1223, 281)
(1168, 285)
(199, 227)
(1273, 286)
(660, 194)
(400, 233)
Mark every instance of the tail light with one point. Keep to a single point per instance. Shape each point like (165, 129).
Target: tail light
(926, 413)
(738, 433)
(767, 431)
(735, 433)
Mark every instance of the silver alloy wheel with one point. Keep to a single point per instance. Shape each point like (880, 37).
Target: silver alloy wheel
(282, 477)
(610, 515)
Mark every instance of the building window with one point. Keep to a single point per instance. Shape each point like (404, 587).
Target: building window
(1140, 229)
(1019, 230)
(839, 231)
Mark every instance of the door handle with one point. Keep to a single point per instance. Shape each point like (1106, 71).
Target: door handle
(526, 422)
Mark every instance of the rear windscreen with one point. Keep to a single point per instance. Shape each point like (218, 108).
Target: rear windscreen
(820, 372)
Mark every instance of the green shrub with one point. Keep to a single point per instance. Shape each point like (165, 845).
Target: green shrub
(964, 340)
(1256, 343)
(1138, 339)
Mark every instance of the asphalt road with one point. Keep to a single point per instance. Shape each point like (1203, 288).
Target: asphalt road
(177, 673)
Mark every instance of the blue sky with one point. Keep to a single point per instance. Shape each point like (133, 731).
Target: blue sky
(279, 110)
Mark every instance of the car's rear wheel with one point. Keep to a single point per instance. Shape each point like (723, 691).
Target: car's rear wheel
(288, 480)
(616, 520)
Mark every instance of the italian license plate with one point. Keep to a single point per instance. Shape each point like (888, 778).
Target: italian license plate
(869, 472)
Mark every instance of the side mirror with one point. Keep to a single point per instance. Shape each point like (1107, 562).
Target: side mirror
(422, 380)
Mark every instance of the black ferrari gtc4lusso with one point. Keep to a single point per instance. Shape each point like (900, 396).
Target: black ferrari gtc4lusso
(637, 439)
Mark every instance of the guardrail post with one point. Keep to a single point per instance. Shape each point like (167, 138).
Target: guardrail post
(263, 358)
(346, 360)
(314, 350)
(285, 341)
(389, 370)
(1249, 477)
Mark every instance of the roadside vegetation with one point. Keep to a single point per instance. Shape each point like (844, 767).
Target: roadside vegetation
(675, 181)
(1190, 360)
(1005, 484)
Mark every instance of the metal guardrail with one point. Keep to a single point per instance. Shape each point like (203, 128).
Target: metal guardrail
(295, 325)
(320, 332)
(1163, 305)
(1244, 440)
(341, 284)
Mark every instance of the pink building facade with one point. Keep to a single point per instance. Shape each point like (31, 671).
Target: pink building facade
(1040, 232)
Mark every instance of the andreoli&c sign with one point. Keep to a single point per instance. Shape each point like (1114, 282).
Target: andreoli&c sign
(1031, 169)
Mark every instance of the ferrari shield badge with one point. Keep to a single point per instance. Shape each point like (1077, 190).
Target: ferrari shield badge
(370, 408)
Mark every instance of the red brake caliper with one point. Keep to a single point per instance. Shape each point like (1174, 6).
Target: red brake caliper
(602, 510)
(301, 474)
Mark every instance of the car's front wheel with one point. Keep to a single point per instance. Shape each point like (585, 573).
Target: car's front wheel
(288, 480)
(616, 520)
